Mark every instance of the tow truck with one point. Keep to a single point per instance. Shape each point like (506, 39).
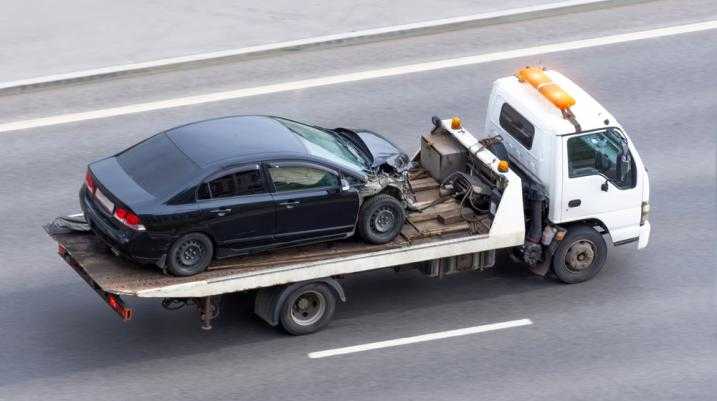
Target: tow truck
(553, 180)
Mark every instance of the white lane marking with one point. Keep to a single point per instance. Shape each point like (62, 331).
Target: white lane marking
(354, 77)
(375, 33)
(419, 339)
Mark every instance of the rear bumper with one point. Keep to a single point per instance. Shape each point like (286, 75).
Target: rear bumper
(644, 235)
(139, 246)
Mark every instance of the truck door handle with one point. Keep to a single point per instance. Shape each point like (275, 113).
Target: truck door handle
(221, 212)
(289, 204)
(574, 203)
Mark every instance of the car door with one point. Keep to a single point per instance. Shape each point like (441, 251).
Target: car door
(238, 206)
(310, 202)
(593, 186)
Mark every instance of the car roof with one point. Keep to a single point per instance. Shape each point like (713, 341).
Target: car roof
(232, 138)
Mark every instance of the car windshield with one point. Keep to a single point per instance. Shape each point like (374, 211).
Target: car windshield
(327, 145)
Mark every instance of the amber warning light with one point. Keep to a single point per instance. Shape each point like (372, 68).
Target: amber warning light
(537, 77)
(455, 123)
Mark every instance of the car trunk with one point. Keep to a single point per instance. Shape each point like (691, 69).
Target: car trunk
(117, 188)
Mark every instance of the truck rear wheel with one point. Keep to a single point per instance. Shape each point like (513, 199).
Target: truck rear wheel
(580, 256)
(308, 309)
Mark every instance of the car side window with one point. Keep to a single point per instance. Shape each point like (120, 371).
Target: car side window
(292, 178)
(516, 125)
(221, 187)
(249, 182)
(235, 184)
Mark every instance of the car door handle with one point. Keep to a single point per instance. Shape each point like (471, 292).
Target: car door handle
(221, 212)
(574, 203)
(289, 204)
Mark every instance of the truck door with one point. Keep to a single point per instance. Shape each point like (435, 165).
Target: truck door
(600, 182)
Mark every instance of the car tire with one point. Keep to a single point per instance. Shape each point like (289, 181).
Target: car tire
(580, 256)
(308, 309)
(190, 254)
(381, 219)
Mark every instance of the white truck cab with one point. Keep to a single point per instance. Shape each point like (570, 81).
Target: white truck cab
(571, 146)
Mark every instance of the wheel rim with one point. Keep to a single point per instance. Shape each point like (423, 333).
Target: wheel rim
(580, 255)
(308, 308)
(190, 252)
(383, 219)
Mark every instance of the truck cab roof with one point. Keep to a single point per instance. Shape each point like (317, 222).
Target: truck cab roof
(544, 115)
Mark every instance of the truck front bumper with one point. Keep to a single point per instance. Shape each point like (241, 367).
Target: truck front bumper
(644, 235)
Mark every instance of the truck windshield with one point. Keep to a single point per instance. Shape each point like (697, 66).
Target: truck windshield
(327, 146)
(595, 153)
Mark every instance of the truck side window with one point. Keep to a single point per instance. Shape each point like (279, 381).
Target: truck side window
(516, 125)
(292, 178)
(597, 153)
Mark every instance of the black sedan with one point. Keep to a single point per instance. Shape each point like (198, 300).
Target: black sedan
(237, 185)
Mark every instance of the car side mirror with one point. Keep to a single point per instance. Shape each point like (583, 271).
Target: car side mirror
(345, 185)
(604, 187)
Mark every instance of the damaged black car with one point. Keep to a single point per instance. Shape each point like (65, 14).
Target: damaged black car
(243, 184)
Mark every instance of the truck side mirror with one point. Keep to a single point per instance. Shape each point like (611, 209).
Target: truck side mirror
(624, 163)
(624, 168)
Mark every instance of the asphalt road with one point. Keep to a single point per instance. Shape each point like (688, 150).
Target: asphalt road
(644, 328)
(44, 37)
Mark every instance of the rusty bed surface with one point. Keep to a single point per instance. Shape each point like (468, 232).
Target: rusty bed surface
(118, 275)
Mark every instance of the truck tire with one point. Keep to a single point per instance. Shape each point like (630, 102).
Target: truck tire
(308, 309)
(190, 254)
(381, 219)
(580, 255)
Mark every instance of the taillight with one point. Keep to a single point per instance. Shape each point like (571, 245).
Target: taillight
(115, 302)
(128, 218)
(89, 181)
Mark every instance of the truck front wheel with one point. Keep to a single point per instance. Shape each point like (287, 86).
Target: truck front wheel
(308, 309)
(580, 256)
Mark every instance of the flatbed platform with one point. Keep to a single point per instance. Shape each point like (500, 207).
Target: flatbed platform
(117, 275)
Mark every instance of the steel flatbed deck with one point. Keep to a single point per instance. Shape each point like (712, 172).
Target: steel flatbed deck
(119, 276)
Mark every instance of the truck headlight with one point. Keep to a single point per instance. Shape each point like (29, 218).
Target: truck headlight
(645, 213)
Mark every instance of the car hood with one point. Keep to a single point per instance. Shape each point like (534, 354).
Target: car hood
(380, 150)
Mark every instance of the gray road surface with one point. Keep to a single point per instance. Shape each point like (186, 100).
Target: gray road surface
(44, 37)
(644, 329)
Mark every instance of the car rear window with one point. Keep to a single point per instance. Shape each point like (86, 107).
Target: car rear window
(158, 166)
